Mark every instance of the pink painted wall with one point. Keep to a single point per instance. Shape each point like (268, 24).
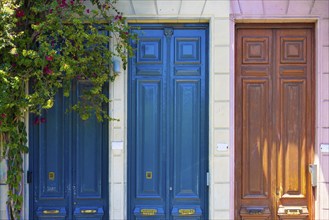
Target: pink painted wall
(316, 11)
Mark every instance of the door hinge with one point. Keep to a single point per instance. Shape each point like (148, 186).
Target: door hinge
(29, 177)
(208, 179)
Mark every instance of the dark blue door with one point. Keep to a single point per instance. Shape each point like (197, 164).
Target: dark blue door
(168, 123)
(68, 163)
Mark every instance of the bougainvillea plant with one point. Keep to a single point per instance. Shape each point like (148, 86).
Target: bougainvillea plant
(44, 46)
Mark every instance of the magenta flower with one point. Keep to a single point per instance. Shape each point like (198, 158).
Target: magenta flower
(63, 4)
(49, 58)
(106, 6)
(3, 115)
(118, 17)
(88, 11)
(19, 13)
(36, 121)
(47, 71)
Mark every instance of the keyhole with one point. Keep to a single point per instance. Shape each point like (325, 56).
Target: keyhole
(148, 175)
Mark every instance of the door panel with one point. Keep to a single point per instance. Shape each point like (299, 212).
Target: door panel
(253, 150)
(255, 141)
(88, 153)
(274, 87)
(68, 163)
(149, 168)
(49, 153)
(292, 149)
(186, 139)
(295, 84)
(167, 128)
(146, 156)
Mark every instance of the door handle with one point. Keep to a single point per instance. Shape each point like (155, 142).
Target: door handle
(312, 168)
(88, 211)
(50, 212)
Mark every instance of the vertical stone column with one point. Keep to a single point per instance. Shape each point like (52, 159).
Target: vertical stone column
(3, 190)
(117, 146)
(220, 98)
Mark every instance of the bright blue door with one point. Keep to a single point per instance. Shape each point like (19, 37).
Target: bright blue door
(68, 163)
(168, 123)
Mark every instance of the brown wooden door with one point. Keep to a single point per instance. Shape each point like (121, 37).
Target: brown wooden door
(274, 121)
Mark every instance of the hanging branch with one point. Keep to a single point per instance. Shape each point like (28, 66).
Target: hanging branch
(45, 45)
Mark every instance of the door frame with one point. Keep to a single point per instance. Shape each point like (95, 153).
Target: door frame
(203, 24)
(273, 24)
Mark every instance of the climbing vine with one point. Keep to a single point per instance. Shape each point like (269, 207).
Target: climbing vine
(44, 46)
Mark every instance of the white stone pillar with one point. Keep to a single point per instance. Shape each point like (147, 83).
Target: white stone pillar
(3, 190)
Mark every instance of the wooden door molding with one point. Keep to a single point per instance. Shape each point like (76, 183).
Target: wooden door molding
(274, 120)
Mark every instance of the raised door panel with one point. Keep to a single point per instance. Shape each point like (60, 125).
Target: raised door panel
(51, 149)
(88, 152)
(50, 174)
(255, 47)
(293, 49)
(150, 50)
(256, 50)
(186, 146)
(149, 168)
(292, 152)
(255, 140)
(187, 50)
(90, 172)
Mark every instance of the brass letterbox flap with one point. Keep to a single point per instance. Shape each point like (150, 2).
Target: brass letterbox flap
(186, 211)
(88, 210)
(51, 211)
(293, 210)
(255, 210)
(148, 211)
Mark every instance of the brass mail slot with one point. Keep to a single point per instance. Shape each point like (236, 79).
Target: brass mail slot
(255, 211)
(88, 211)
(50, 212)
(186, 211)
(293, 211)
(149, 212)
